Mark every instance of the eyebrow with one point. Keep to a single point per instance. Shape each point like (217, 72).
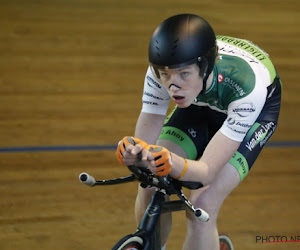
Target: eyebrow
(184, 68)
(180, 69)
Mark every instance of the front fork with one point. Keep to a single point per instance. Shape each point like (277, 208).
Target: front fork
(151, 220)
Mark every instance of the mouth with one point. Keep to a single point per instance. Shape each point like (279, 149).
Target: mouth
(178, 99)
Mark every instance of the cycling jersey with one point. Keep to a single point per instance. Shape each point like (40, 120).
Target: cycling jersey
(239, 89)
(243, 102)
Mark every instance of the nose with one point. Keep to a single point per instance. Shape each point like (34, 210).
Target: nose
(174, 87)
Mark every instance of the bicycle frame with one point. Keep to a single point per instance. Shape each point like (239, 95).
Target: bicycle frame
(147, 235)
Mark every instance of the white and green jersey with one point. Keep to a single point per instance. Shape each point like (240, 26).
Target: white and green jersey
(241, 77)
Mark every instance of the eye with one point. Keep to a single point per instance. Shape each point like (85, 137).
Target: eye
(185, 74)
(164, 74)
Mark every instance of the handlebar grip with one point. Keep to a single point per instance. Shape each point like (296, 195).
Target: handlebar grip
(201, 215)
(87, 179)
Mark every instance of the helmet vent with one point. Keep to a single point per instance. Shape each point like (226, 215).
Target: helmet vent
(175, 44)
(174, 47)
(157, 48)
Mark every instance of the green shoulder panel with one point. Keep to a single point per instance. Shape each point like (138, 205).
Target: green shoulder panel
(253, 50)
(238, 77)
(233, 79)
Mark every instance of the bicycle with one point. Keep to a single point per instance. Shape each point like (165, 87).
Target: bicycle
(147, 235)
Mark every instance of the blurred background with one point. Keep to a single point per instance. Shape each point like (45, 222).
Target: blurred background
(71, 82)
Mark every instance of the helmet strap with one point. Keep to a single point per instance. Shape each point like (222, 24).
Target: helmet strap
(203, 65)
(204, 85)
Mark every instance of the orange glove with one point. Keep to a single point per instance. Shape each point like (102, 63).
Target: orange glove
(127, 140)
(162, 159)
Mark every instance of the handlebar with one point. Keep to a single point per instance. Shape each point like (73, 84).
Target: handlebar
(87, 179)
(90, 180)
(147, 179)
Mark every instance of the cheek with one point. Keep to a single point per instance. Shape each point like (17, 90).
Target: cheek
(197, 85)
(165, 85)
(163, 82)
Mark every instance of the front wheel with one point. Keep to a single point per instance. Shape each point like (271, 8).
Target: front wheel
(130, 242)
(225, 242)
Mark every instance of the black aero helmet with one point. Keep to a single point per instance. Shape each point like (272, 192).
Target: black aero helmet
(182, 40)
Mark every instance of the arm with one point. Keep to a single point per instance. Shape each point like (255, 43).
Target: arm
(226, 141)
(148, 127)
(147, 130)
(217, 153)
(151, 119)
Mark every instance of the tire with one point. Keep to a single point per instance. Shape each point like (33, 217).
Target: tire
(225, 242)
(130, 243)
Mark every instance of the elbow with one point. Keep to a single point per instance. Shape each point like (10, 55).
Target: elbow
(208, 180)
(209, 173)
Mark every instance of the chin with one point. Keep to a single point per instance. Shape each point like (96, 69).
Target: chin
(183, 105)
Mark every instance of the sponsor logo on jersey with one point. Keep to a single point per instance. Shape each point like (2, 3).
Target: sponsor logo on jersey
(237, 131)
(240, 163)
(230, 121)
(152, 83)
(261, 135)
(153, 96)
(220, 78)
(244, 109)
(235, 86)
(192, 132)
(268, 127)
(244, 125)
(150, 103)
(245, 45)
(172, 133)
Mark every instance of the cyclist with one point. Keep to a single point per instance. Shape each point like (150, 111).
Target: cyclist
(227, 95)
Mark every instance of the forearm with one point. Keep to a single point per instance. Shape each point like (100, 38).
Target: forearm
(197, 171)
(216, 155)
(148, 127)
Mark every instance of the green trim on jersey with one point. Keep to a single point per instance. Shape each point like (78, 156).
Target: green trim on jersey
(252, 130)
(170, 115)
(240, 163)
(253, 50)
(180, 138)
(233, 79)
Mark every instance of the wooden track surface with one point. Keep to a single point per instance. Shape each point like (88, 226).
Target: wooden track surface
(71, 73)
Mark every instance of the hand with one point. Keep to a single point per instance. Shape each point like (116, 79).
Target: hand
(128, 150)
(160, 160)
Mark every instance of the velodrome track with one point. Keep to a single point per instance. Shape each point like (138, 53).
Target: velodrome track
(71, 80)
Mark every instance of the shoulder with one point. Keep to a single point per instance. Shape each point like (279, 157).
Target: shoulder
(247, 51)
(155, 96)
(236, 77)
(151, 80)
(236, 68)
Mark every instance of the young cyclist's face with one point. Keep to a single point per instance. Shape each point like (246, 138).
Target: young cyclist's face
(183, 84)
